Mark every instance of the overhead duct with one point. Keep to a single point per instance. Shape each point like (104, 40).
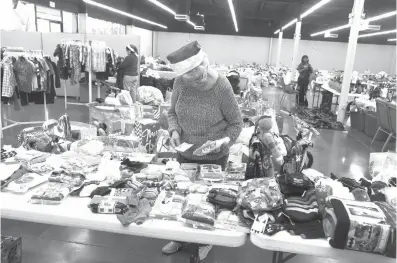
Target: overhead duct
(183, 10)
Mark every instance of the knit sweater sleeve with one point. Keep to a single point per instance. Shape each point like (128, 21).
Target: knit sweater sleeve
(127, 62)
(231, 113)
(172, 118)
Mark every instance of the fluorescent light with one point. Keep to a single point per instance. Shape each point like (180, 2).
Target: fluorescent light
(392, 39)
(330, 30)
(166, 8)
(233, 14)
(379, 17)
(114, 10)
(314, 8)
(375, 18)
(290, 24)
(278, 31)
(379, 33)
(190, 22)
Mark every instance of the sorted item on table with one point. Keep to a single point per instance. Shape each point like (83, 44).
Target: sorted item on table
(211, 146)
(223, 198)
(51, 193)
(26, 182)
(183, 147)
(199, 213)
(73, 179)
(235, 171)
(211, 172)
(168, 205)
(303, 208)
(294, 184)
(355, 225)
(260, 194)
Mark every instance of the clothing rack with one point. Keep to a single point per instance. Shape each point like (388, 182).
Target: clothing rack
(18, 52)
(89, 43)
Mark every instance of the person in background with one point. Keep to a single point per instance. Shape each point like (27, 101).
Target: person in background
(305, 70)
(234, 78)
(129, 68)
(203, 108)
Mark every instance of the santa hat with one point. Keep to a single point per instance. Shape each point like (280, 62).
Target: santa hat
(186, 58)
(132, 48)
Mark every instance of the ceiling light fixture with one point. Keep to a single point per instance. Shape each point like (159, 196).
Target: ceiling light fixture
(378, 33)
(392, 39)
(330, 30)
(372, 19)
(233, 14)
(290, 24)
(314, 8)
(166, 8)
(114, 10)
(278, 31)
(379, 17)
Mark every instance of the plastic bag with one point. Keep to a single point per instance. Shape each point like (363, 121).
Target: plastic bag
(235, 171)
(168, 205)
(152, 95)
(198, 213)
(50, 194)
(260, 194)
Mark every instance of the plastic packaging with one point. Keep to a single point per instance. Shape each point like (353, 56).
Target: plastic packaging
(168, 206)
(211, 172)
(260, 194)
(26, 182)
(235, 171)
(51, 194)
(198, 212)
(72, 179)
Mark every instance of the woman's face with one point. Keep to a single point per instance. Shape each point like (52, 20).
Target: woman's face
(305, 60)
(198, 75)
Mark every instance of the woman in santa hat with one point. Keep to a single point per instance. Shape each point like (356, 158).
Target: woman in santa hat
(129, 68)
(203, 108)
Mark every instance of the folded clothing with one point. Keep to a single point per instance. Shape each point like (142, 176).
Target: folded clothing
(302, 209)
(308, 230)
(135, 214)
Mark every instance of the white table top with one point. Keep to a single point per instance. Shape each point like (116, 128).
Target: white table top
(285, 242)
(73, 212)
(337, 93)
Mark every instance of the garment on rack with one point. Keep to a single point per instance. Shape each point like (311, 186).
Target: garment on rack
(75, 64)
(24, 72)
(61, 64)
(9, 82)
(99, 57)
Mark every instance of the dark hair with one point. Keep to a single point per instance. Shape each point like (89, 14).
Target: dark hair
(303, 57)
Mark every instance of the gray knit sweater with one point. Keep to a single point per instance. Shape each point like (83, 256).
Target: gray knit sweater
(200, 116)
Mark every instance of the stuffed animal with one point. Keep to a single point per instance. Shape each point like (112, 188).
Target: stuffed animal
(267, 138)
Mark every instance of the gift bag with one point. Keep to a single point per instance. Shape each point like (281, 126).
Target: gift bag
(146, 130)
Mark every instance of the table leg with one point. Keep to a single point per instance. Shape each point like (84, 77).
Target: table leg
(194, 257)
(278, 257)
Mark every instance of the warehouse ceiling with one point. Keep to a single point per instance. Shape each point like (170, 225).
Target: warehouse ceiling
(254, 17)
(263, 17)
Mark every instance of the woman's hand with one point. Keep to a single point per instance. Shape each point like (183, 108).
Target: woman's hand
(175, 139)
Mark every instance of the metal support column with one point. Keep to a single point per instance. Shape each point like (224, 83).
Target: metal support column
(269, 55)
(280, 41)
(297, 38)
(355, 19)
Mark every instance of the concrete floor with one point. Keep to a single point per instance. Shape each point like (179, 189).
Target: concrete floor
(343, 153)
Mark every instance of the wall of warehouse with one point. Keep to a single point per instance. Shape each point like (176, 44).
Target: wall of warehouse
(323, 55)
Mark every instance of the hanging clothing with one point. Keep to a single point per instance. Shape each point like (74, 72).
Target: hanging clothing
(9, 82)
(56, 75)
(61, 64)
(75, 64)
(24, 72)
(99, 57)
